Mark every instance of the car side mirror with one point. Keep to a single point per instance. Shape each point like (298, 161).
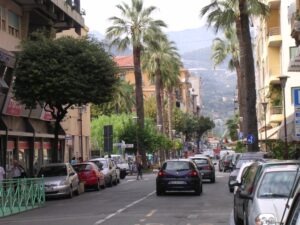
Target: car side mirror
(234, 183)
(72, 174)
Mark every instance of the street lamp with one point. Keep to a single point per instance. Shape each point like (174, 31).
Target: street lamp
(283, 80)
(265, 104)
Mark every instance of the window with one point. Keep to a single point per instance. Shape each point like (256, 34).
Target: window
(293, 52)
(2, 19)
(13, 24)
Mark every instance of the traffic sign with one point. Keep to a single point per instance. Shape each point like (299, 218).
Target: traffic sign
(250, 139)
(297, 121)
(296, 93)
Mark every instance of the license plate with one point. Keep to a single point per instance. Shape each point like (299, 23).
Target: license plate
(177, 182)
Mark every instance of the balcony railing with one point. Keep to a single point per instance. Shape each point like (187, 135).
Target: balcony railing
(274, 31)
(275, 110)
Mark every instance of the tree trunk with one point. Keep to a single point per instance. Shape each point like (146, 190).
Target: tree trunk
(170, 110)
(250, 90)
(158, 96)
(241, 96)
(139, 98)
(55, 142)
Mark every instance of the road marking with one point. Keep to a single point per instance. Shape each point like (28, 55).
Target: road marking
(193, 216)
(151, 213)
(122, 209)
(142, 220)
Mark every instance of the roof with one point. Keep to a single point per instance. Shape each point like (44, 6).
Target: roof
(124, 61)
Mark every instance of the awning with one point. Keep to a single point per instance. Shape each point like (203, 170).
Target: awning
(272, 134)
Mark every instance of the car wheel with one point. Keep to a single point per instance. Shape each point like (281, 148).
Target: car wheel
(77, 192)
(97, 187)
(103, 186)
(198, 190)
(231, 190)
(159, 191)
(245, 218)
(213, 179)
(110, 183)
(122, 175)
(237, 220)
(70, 192)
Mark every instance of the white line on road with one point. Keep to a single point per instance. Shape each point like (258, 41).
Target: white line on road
(121, 210)
(151, 213)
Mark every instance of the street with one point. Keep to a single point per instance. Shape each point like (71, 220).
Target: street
(135, 202)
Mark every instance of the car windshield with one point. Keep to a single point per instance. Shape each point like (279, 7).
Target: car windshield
(276, 184)
(241, 162)
(82, 167)
(53, 171)
(200, 161)
(104, 163)
(176, 165)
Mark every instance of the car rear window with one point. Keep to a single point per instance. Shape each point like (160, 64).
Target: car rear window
(200, 161)
(53, 171)
(176, 165)
(82, 167)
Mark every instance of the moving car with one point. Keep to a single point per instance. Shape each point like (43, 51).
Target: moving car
(90, 174)
(263, 190)
(205, 166)
(109, 169)
(60, 180)
(178, 175)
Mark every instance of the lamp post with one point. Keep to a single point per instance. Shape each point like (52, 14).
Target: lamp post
(283, 80)
(265, 104)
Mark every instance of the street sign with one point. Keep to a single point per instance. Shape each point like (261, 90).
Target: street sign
(250, 139)
(296, 93)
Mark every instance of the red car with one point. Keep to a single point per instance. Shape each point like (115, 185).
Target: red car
(89, 173)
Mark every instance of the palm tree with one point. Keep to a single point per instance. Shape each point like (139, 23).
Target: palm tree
(221, 49)
(133, 28)
(224, 13)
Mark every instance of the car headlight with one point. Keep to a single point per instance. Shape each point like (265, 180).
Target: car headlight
(63, 182)
(265, 219)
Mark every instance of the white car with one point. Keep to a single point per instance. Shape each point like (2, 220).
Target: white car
(241, 172)
(293, 216)
(121, 164)
(268, 201)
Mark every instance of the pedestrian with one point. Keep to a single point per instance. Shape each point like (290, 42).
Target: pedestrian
(18, 171)
(139, 168)
(73, 160)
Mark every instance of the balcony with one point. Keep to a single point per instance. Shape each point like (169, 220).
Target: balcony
(274, 4)
(275, 38)
(276, 114)
(296, 31)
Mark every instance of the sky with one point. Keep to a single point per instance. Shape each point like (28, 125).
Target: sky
(177, 14)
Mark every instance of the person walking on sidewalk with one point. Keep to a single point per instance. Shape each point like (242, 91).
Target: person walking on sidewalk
(139, 168)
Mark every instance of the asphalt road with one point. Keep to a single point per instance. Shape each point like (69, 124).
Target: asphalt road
(134, 202)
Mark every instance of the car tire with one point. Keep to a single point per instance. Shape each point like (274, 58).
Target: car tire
(77, 192)
(245, 218)
(213, 179)
(110, 183)
(97, 186)
(231, 190)
(122, 174)
(70, 195)
(159, 191)
(104, 185)
(198, 190)
(237, 220)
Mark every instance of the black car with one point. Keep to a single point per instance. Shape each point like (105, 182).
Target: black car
(178, 175)
(206, 167)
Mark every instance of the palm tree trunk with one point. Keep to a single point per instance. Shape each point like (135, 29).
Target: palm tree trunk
(241, 96)
(250, 90)
(139, 98)
(170, 110)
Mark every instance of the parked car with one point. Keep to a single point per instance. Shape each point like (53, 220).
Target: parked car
(224, 162)
(122, 164)
(178, 174)
(263, 190)
(206, 167)
(109, 169)
(90, 174)
(60, 180)
(293, 216)
(234, 160)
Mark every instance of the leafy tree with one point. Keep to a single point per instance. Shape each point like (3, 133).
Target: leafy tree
(202, 125)
(135, 27)
(122, 101)
(232, 126)
(223, 14)
(60, 73)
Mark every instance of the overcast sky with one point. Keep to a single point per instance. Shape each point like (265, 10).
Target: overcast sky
(177, 14)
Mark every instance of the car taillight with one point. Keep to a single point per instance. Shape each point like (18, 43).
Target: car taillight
(193, 173)
(161, 173)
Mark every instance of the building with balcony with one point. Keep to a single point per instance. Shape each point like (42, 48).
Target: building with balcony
(274, 48)
(27, 134)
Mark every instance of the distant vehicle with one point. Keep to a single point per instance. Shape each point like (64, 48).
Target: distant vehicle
(60, 180)
(178, 174)
(121, 163)
(205, 166)
(224, 162)
(90, 174)
(208, 153)
(109, 168)
(226, 152)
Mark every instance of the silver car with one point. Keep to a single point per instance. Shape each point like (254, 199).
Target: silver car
(269, 198)
(60, 180)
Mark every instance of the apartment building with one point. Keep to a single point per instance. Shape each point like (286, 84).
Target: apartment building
(182, 94)
(274, 49)
(27, 134)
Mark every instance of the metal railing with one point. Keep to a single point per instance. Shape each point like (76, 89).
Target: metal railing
(274, 31)
(275, 110)
(18, 195)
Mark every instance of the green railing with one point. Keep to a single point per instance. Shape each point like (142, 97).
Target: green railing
(18, 195)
